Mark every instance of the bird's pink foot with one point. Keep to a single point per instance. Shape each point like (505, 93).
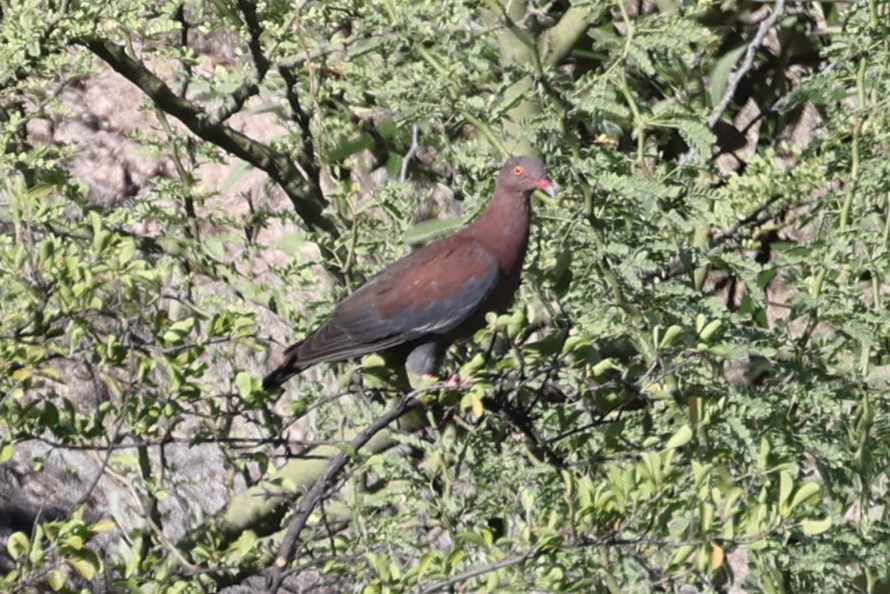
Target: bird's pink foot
(455, 382)
(452, 383)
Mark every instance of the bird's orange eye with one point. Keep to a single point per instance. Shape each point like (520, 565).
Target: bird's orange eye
(518, 170)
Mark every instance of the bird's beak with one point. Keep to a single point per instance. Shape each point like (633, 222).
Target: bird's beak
(546, 186)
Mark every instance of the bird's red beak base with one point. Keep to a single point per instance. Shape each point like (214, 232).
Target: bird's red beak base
(547, 187)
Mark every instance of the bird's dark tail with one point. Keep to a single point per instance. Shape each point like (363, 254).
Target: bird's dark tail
(275, 378)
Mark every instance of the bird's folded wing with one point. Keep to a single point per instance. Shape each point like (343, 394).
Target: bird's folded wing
(432, 291)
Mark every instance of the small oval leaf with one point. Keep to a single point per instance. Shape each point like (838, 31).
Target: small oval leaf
(680, 438)
(815, 527)
(17, 545)
(806, 491)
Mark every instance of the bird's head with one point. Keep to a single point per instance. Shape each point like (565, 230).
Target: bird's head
(523, 175)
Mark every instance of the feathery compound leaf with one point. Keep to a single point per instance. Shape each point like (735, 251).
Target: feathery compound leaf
(697, 135)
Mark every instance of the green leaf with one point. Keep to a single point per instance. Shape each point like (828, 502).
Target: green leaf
(291, 242)
(426, 561)
(721, 71)
(603, 366)
(95, 222)
(816, 527)
(680, 438)
(244, 384)
(346, 448)
(55, 579)
(427, 231)
(126, 252)
(6, 450)
(17, 545)
(347, 148)
(697, 135)
(708, 331)
(86, 563)
(670, 335)
(237, 173)
(682, 553)
(175, 334)
(786, 484)
(245, 544)
(805, 492)
(104, 525)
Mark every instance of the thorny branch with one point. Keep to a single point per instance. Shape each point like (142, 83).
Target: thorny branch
(747, 63)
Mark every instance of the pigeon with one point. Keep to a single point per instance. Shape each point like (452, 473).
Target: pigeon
(422, 303)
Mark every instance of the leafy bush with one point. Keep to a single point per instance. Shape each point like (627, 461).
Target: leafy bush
(690, 393)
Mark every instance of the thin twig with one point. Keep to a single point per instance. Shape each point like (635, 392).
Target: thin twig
(757, 217)
(306, 162)
(736, 77)
(468, 575)
(109, 452)
(412, 152)
(184, 28)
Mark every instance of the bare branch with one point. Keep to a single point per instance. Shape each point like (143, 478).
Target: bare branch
(406, 404)
(736, 77)
(184, 27)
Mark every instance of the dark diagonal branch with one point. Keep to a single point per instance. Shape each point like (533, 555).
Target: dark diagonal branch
(311, 499)
(255, 31)
(747, 63)
(276, 165)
